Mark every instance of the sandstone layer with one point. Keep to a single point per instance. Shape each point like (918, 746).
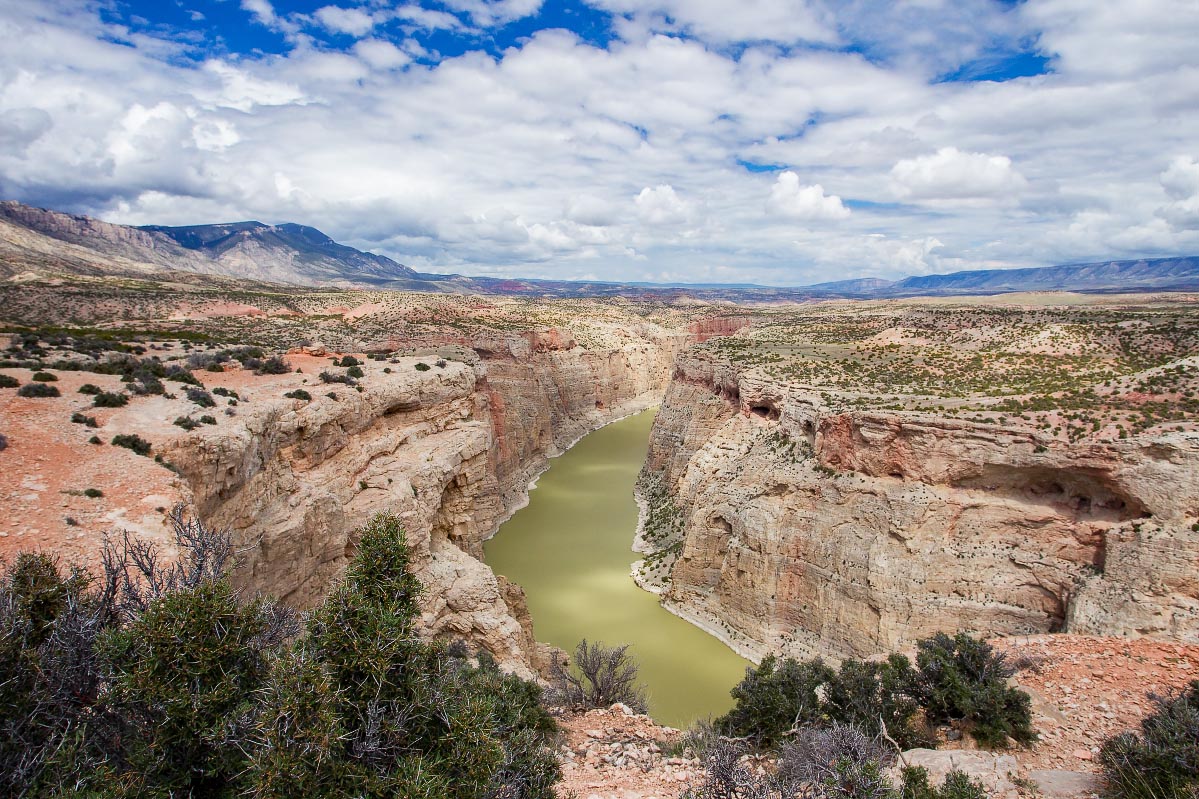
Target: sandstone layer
(450, 449)
(814, 531)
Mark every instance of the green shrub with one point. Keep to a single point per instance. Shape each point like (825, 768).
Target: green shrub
(8, 381)
(206, 419)
(161, 682)
(38, 390)
(423, 367)
(93, 493)
(379, 713)
(132, 441)
(95, 440)
(1163, 761)
(108, 399)
(354, 371)
(44, 377)
(89, 388)
(958, 680)
(184, 672)
(956, 785)
(347, 361)
(87, 421)
(273, 365)
(200, 397)
(775, 697)
(186, 422)
(299, 394)
(329, 377)
(872, 696)
(962, 679)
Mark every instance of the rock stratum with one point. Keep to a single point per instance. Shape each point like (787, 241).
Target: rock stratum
(800, 526)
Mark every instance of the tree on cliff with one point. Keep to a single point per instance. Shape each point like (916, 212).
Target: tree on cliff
(158, 680)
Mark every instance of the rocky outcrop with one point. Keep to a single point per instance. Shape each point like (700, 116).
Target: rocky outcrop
(451, 450)
(812, 531)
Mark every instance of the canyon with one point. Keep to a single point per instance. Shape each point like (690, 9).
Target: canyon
(830, 478)
(452, 451)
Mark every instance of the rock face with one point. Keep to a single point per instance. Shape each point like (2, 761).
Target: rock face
(812, 532)
(450, 450)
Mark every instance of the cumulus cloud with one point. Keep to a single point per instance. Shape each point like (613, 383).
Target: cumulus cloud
(661, 205)
(637, 157)
(488, 13)
(1181, 183)
(381, 54)
(792, 199)
(950, 174)
(262, 10)
(352, 21)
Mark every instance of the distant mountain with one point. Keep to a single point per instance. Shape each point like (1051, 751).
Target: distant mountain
(247, 250)
(40, 241)
(288, 252)
(1173, 274)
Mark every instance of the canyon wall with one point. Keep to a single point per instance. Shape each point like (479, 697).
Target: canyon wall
(814, 532)
(450, 450)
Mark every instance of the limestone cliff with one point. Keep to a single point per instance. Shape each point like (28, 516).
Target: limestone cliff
(810, 531)
(451, 450)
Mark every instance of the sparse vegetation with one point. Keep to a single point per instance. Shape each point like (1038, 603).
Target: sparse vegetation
(133, 442)
(108, 399)
(38, 390)
(1162, 762)
(200, 397)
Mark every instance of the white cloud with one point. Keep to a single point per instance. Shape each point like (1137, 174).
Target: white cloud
(1181, 183)
(353, 21)
(215, 135)
(661, 205)
(262, 10)
(789, 198)
(951, 174)
(242, 90)
(488, 13)
(381, 54)
(430, 19)
(557, 158)
(715, 20)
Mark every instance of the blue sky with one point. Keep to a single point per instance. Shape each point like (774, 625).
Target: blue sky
(772, 141)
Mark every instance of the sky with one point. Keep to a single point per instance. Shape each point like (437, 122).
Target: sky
(778, 142)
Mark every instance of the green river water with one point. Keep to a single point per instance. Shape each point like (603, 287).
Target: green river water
(570, 548)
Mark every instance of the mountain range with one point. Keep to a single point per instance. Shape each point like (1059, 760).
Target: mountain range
(37, 241)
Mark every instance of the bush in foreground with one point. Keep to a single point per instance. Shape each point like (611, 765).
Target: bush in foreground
(159, 680)
(1163, 761)
(962, 679)
(957, 680)
(599, 676)
(835, 762)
